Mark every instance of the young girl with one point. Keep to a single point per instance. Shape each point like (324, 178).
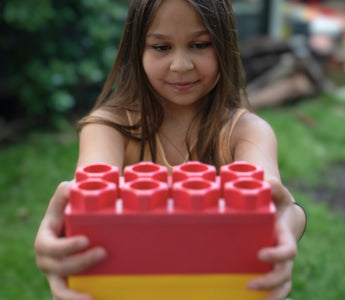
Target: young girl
(178, 90)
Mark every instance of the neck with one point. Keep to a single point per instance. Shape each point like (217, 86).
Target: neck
(180, 115)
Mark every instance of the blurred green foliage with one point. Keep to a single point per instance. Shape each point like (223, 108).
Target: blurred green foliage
(54, 53)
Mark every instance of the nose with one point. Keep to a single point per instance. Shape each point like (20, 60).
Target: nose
(181, 62)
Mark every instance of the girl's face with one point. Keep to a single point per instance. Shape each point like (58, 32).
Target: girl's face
(179, 58)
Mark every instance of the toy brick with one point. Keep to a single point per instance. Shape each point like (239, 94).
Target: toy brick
(192, 233)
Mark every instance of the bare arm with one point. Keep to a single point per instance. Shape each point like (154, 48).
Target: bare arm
(56, 255)
(101, 143)
(254, 141)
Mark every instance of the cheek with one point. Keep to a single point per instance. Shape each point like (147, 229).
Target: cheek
(146, 63)
(152, 68)
(214, 66)
(211, 72)
(209, 66)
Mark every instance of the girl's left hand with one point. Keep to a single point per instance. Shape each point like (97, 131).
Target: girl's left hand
(282, 255)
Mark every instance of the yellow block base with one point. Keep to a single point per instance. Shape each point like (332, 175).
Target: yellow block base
(167, 287)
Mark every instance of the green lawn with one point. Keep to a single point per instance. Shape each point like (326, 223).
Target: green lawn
(29, 173)
(310, 135)
(311, 139)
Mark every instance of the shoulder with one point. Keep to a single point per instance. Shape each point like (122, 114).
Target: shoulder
(100, 140)
(244, 124)
(250, 125)
(110, 115)
(116, 111)
(254, 141)
(105, 133)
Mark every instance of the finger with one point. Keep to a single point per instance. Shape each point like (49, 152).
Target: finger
(53, 220)
(82, 261)
(274, 279)
(281, 292)
(286, 248)
(60, 290)
(49, 252)
(57, 204)
(47, 241)
(49, 244)
(278, 254)
(72, 264)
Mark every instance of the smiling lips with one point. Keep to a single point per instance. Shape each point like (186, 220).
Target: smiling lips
(183, 86)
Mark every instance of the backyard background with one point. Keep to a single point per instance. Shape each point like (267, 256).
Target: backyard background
(54, 57)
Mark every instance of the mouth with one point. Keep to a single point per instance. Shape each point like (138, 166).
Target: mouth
(182, 86)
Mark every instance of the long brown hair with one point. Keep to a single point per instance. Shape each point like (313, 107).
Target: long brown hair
(128, 88)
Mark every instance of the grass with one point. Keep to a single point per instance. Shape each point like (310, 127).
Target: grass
(310, 136)
(311, 139)
(29, 174)
(319, 269)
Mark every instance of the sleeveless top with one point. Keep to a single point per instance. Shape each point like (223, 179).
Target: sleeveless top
(132, 151)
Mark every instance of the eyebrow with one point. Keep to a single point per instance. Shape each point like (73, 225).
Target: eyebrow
(160, 36)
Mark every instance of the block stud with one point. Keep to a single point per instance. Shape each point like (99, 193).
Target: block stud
(247, 194)
(193, 169)
(195, 194)
(146, 170)
(92, 195)
(240, 169)
(144, 194)
(98, 170)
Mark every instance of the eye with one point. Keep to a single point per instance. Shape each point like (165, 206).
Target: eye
(161, 48)
(201, 45)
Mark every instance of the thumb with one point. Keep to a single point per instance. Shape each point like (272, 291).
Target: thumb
(55, 211)
(59, 200)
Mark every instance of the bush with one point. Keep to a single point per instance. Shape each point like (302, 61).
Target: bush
(55, 53)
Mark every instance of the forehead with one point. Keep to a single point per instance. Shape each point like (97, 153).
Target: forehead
(176, 16)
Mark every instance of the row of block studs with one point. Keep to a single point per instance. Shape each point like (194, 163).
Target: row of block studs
(190, 169)
(194, 187)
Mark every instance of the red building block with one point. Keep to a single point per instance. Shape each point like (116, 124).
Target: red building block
(193, 234)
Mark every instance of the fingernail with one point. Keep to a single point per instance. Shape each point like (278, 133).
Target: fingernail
(99, 253)
(264, 255)
(253, 286)
(83, 242)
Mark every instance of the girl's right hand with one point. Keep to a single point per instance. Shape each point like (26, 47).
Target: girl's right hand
(59, 257)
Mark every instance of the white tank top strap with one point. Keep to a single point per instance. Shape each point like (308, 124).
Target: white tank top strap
(130, 118)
